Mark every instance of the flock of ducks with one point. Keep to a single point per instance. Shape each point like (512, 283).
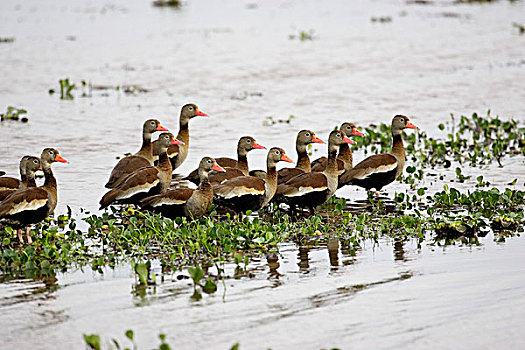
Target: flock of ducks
(144, 179)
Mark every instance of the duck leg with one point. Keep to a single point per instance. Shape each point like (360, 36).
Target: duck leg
(20, 237)
(28, 235)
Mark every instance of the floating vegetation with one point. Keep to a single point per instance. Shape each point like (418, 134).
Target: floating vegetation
(67, 88)
(93, 342)
(383, 19)
(269, 121)
(14, 113)
(167, 3)
(303, 35)
(521, 28)
(6, 40)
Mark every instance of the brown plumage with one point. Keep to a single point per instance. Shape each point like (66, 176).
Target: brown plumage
(29, 165)
(381, 169)
(245, 145)
(314, 188)
(345, 158)
(11, 183)
(144, 182)
(304, 138)
(249, 192)
(31, 205)
(143, 158)
(185, 201)
(178, 153)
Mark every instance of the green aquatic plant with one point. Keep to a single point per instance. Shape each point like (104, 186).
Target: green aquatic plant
(14, 113)
(93, 342)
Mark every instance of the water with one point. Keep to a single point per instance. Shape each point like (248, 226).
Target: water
(236, 61)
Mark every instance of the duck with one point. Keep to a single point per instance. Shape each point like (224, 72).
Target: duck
(345, 158)
(29, 165)
(380, 170)
(31, 205)
(314, 188)
(186, 202)
(304, 138)
(2, 173)
(143, 158)
(145, 181)
(245, 145)
(177, 153)
(11, 183)
(251, 192)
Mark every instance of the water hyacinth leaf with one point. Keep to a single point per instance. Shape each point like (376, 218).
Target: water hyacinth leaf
(209, 286)
(196, 273)
(141, 270)
(92, 341)
(129, 334)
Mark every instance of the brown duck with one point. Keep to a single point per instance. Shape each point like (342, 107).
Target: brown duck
(30, 166)
(186, 201)
(11, 183)
(33, 204)
(245, 145)
(314, 188)
(381, 169)
(178, 153)
(146, 181)
(345, 158)
(304, 138)
(249, 192)
(143, 158)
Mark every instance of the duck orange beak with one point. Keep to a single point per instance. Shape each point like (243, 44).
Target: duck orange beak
(40, 168)
(286, 158)
(347, 140)
(161, 128)
(217, 167)
(316, 139)
(58, 158)
(176, 142)
(201, 113)
(258, 146)
(411, 126)
(356, 132)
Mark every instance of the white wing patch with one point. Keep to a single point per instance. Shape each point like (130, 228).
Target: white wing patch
(380, 169)
(137, 189)
(238, 192)
(305, 189)
(168, 201)
(32, 205)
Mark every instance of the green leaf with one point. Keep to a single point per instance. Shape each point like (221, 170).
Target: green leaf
(142, 270)
(129, 334)
(209, 287)
(92, 341)
(196, 273)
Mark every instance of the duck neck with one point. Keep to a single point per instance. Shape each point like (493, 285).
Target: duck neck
(303, 161)
(145, 150)
(204, 184)
(345, 154)
(50, 181)
(271, 171)
(164, 160)
(184, 132)
(30, 180)
(398, 150)
(242, 162)
(331, 168)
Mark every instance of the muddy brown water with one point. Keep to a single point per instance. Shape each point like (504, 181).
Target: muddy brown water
(236, 61)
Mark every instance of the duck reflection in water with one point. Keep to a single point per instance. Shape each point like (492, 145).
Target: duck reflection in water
(333, 252)
(273, 264)
(304, 259)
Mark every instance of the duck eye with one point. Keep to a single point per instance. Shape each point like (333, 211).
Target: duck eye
(249, 141)
(190, 108)
(307, 134)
